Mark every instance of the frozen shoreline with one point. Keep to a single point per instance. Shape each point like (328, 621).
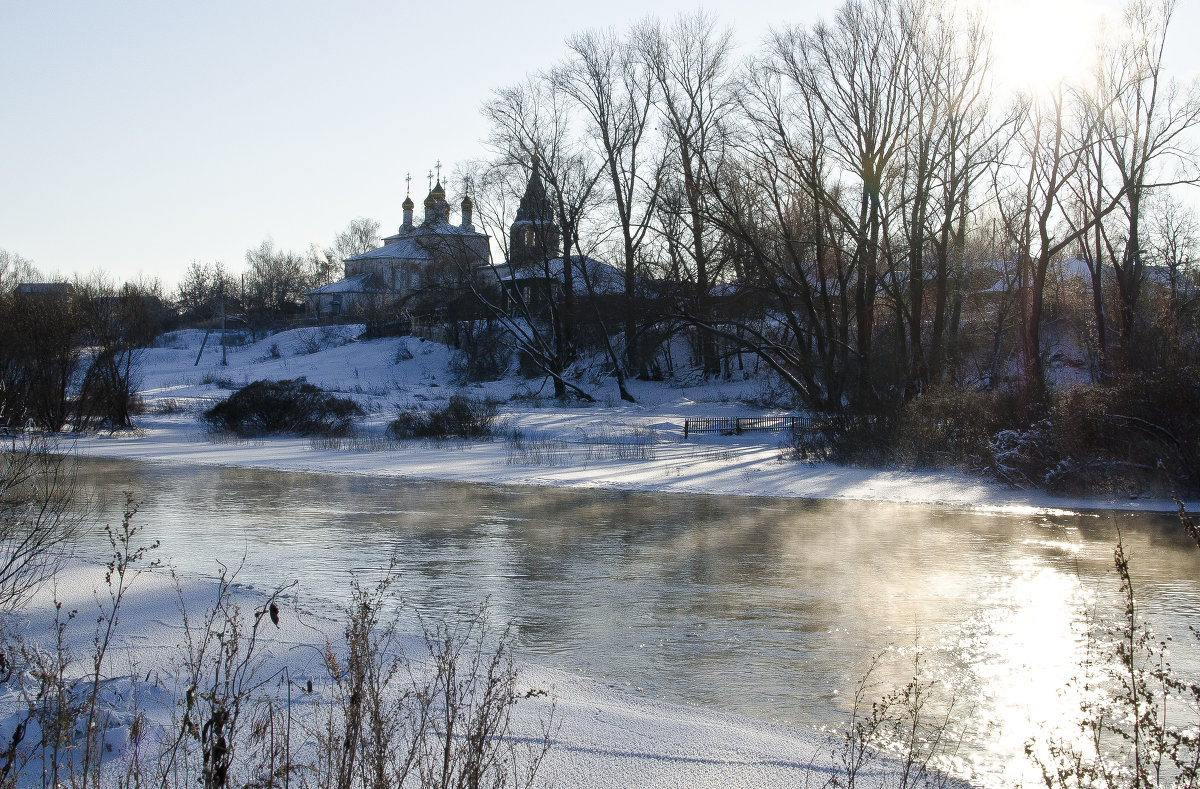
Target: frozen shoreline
(728, 466)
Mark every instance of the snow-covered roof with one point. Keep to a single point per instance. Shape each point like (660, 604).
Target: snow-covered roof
(359, 283)
(45, 287)
(414, 243)
(606, 280)
(403, 248)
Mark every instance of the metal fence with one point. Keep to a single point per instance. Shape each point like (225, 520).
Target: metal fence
(736, 425)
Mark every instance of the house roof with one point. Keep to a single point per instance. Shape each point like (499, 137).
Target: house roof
(44, 287)
(606, 280)
(359, 283)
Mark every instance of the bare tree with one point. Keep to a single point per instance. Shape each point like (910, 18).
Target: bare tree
(847, 135)
(40, 334)
(14, 269)
(532, 123)
(1144, 121)
(854, 72)
(1175, 244)
(949, 139)
(1035, 195)
(606, 77)
(201, 289)
(972, 138)
(274, 281)
(361, 235)
(38, 515)
(690, 63)
(118, 323)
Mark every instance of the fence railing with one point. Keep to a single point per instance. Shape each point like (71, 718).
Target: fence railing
(736, 425)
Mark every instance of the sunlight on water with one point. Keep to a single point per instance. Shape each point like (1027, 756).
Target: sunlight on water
(1028, 647)
(1018, 509)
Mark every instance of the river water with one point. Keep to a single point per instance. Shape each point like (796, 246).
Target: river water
(772, 608)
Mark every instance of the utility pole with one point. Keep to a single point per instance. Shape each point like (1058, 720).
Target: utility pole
(224, 355)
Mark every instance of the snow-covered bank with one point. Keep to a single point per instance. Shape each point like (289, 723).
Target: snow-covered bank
(724, 466)
(572, 446)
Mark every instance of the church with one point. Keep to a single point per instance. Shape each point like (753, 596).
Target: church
(419, 256)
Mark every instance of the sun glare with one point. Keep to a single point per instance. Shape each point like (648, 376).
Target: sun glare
(1038, 43)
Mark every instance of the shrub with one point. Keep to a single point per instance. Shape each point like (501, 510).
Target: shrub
(294, 406)
(40, 515)
(847, 439)
(1129, 436)
(463, 417)
(484, 356)
(1025, 457)
(948, 427)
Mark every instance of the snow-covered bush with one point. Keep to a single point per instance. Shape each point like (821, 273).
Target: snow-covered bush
(310, 341)
(1127, 437)
(1023, 457)
(462, 417)
(291, 406)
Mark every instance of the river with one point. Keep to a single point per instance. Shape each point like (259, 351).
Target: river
(772, 608)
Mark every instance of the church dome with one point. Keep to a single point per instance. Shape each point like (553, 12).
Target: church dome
(407, 205)
(467, 203)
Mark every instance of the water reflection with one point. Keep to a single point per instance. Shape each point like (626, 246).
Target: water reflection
(766, 607)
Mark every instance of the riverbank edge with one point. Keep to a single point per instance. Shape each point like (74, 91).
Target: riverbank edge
(721, 466)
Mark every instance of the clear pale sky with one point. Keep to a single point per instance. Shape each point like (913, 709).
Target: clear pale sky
(136, 136)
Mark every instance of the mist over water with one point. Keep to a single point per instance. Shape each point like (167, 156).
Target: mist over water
(771, 608)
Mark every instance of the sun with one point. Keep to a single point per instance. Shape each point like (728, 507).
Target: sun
(1037, 44)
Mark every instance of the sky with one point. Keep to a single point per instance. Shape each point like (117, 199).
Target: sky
(139, 135)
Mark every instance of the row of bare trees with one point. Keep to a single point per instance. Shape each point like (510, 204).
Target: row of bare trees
(273, 281)
(68, 351)
(853, 204)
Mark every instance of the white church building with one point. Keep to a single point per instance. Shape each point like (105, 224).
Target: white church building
(390, 275)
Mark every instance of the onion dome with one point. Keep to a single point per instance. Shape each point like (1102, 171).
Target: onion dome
(407, 205)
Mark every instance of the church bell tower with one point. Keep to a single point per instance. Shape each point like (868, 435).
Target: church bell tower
(534, 236)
